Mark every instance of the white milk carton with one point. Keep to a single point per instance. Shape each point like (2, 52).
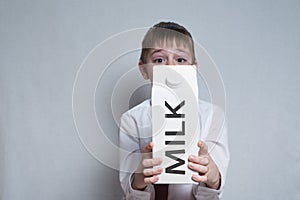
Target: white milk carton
(175, 120)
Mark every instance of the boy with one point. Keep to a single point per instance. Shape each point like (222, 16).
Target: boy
(168, 43)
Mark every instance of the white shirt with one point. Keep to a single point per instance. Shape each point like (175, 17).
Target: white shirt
(136, 132)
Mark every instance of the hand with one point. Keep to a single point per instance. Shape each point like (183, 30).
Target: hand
(145, 173)
(208, 171)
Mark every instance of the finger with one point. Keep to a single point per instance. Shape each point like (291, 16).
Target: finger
(203, 150)
(148, 148)
(198, 178)
(151, 172)
(151, 162)
(152, 179)
(198, 168)
(201, 160)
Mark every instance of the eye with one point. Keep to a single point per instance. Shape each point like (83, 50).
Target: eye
(158, 60)
(181, 60)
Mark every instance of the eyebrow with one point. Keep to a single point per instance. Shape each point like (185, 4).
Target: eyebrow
(159, 50)
(156, 51)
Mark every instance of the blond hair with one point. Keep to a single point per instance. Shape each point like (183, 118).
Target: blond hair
(167, 33)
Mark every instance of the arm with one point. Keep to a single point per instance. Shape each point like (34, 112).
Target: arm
(145, 174)
(212, 160)
(133, 162)
(208, 171)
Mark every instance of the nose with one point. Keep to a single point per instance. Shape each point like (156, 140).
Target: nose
(170, 61)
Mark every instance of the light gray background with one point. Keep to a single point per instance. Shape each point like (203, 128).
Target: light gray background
(255, 44)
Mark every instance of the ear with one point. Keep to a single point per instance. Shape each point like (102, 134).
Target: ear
(143, 70)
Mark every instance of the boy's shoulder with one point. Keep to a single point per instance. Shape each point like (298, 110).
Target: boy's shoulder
(204, 104)
(208, 109)
(139, 111)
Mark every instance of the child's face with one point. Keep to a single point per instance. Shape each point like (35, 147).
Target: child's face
(165, 55)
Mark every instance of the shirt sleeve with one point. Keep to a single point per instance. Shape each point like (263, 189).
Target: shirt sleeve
(130, 157)
(215, 136)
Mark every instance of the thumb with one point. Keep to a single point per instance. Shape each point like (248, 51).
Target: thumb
(148, 149)
(203, 150)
